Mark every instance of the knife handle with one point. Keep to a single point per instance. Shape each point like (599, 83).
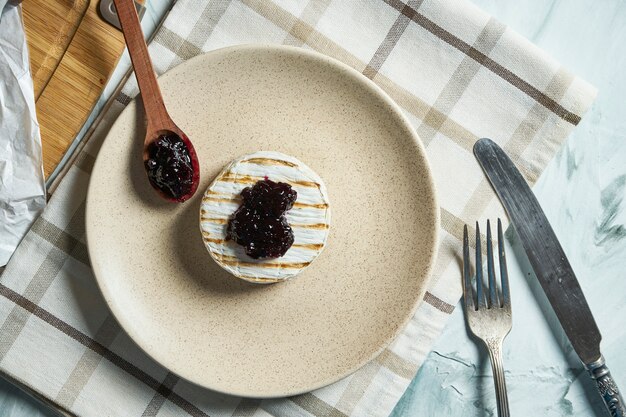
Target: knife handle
(608, 388)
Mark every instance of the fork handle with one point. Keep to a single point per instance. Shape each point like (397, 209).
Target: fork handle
(608, 388)
(494, 346)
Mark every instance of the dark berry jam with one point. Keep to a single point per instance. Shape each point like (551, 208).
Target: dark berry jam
(259, 224)
(170, 167)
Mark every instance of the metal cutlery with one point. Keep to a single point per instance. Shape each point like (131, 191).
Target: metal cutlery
(551, 266)
(489, 314)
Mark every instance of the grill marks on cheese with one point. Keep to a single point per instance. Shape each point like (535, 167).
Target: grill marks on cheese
(269, 161)
(248, 179)
(233, 260)
(309, 217)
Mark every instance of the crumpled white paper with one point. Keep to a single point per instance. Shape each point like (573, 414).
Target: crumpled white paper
(22, 184)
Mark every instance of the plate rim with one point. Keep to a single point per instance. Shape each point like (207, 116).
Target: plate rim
(123, 319)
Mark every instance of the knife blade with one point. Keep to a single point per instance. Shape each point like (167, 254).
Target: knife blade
(551, 266)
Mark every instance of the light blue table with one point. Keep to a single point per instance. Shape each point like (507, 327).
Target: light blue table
(583, 191)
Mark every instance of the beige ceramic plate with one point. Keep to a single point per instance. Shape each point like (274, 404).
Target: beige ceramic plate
(273, 340)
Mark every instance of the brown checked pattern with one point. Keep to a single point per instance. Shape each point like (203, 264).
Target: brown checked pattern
(457, 73)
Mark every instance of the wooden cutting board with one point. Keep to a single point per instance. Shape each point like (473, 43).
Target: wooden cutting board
(73, 52)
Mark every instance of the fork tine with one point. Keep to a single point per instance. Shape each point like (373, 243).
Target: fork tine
(480, 291)
(468, 297)
(491, 276)
(504, 276)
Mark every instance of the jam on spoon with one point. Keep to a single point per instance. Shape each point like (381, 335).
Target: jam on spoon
(259, 224)
(169, 166)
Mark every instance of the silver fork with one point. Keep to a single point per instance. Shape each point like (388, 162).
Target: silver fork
(489, 318)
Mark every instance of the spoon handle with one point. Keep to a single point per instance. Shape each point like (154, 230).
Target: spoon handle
(154, 107)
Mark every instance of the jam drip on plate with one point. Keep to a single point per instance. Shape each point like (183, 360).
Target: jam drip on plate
(259, 224)
(170, 168)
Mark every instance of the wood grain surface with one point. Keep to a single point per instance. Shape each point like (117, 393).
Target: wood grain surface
(73, 52)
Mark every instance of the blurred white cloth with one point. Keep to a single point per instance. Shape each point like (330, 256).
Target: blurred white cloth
(22, 184)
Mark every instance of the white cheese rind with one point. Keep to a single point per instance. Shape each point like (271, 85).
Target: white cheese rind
(309, 218)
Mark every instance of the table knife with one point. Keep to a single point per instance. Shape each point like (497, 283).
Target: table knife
(551, 266)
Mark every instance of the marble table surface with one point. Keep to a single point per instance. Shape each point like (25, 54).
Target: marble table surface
(583, 192)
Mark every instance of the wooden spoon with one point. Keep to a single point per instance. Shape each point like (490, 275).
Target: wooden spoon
(169, 156)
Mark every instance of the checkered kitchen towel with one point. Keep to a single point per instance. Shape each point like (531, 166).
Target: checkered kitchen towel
(457, 73)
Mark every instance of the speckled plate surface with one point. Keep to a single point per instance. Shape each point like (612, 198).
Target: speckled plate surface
(282, 339)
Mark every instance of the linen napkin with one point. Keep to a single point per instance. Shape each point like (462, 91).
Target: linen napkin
(457, 73)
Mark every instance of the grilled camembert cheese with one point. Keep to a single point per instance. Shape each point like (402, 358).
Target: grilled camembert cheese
(309, 218)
